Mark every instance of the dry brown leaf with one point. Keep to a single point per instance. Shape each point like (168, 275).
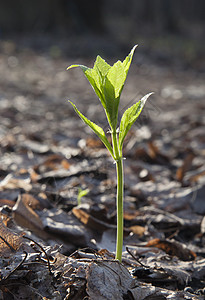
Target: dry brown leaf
(172, 248)
(94, 143)
(34, 176)
(7, 202)
(137, 229)
(53, 162)
(91, 221)
(153, 150)
(130, 215)
(106, 254)
(81, 215)
(25, 216)
(187, 163)
(31, 201)
(5, 219)
(197, 177)
(9, 241)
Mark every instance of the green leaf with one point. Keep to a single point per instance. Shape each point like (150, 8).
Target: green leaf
(126, 63)
(81, 193)
(95, 80)
(108, 82)
(117, 74)
(129, 117)
(113, 86)
(102, 67)
(97, 129)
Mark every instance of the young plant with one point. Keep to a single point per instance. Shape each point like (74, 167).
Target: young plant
(81, 193)
(108, 82)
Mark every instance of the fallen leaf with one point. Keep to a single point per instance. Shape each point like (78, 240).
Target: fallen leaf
(91, 221)
(107, 280)
(25, 216)
(195, 178)
(94, 143)
(7, 202)
(53, 162)
(9, 182)
(137, 229)
(173, 248)
(131, 215)
(187, 163)
(9, 241)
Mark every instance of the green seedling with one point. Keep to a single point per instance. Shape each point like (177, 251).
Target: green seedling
(81, 193)
(108, 82)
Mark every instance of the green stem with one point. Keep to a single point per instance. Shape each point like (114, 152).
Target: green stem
(120, 188)
(119, 244)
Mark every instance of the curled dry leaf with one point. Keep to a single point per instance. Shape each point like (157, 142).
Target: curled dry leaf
(173, 248)
(7, 202)
(91, 221)
(9, 241)
(25, 216)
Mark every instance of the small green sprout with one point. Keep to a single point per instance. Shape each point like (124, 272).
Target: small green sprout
(108, 82)
(81, 193)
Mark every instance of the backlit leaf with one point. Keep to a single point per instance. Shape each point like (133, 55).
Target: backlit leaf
(129, 117)
(126, 63)
(95, 80)
(97, 129)
(102, 67)
(108, 82)
(113, 86)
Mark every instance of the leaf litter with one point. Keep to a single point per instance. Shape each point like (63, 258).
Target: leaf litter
(51, 248)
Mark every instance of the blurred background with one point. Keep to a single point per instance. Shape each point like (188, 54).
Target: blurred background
(169, 31)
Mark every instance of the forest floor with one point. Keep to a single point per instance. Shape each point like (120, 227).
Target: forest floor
(51, 247)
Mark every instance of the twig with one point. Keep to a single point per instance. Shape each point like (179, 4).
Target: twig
(135, 258)
(14, 270)
(3, 239)
(48, 261)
